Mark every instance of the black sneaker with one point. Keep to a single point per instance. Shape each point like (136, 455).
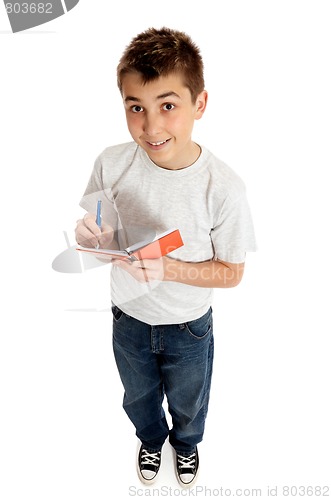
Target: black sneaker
(148, 465)
(187, 468)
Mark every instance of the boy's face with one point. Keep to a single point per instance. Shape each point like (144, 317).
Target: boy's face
(160, 116)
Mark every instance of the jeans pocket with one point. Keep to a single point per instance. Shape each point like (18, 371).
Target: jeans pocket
(117, 313)
(201, 327)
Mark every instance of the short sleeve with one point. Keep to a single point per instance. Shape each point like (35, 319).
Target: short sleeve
(233, 235)
(97, 190)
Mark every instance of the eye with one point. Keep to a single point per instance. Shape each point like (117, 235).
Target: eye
(168, 106)
(137, 109)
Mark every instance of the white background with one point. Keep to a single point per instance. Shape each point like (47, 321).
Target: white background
(63, 431)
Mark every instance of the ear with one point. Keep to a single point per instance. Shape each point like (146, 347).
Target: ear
(200, 104)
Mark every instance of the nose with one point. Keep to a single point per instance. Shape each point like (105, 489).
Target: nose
(152, 124)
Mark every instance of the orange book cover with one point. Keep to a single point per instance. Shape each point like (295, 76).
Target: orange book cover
(159, 246)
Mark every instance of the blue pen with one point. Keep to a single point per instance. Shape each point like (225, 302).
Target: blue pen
(98, 219)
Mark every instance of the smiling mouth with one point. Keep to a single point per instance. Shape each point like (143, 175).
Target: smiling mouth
(159, 143)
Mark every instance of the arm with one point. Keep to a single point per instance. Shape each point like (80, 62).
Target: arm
(209, 274)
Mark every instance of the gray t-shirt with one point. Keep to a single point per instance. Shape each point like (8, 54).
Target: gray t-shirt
(205, 201)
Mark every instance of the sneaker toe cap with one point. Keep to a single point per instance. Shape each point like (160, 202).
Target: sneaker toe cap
(186, 478)
(148, 474)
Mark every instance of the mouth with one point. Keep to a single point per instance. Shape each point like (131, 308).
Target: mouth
(157, 144)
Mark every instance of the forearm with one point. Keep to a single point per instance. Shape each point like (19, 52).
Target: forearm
(209, 274)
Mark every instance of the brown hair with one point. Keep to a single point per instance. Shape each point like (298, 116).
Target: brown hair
(156, 53)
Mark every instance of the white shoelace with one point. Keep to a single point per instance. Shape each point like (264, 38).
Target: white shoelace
(149, 458)
(186, 462)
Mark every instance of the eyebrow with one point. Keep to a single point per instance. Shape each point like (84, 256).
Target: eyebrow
(161, 96)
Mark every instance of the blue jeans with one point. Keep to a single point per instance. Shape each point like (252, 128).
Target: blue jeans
(172, 360)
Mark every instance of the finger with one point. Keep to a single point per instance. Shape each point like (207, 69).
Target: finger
(133, 269)
(89, 221)
(124, 264)
(85, 238)
(107, 234)
(106, 227)
(138, 264)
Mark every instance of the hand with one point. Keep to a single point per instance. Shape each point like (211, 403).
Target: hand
(88, 233)
(143, 270)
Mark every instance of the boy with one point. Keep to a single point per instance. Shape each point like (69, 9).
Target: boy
(162, 316)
